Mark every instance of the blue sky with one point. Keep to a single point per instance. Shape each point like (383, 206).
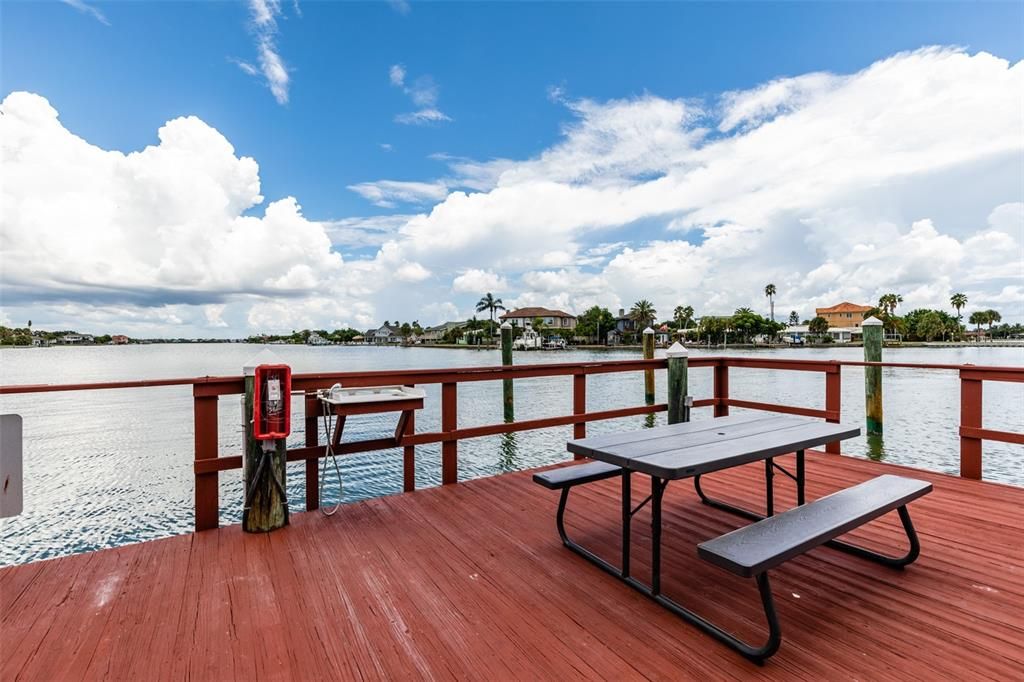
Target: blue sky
(507, 78)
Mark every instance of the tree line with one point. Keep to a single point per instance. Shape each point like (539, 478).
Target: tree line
(926, 324)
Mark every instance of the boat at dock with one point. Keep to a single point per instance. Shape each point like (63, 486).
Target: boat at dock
(555, 343)
(530, 339)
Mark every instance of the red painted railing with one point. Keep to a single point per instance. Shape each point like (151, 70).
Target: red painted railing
(207, 391)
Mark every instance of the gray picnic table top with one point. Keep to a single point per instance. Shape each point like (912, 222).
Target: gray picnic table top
(700, 447)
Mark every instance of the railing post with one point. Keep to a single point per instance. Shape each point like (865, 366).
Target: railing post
(449, 423)
(970, 415)
(648, 347)
(722, 388)
(409, 452)
(678, 364)
(506, 360)
(833, 402)
(873, 332)
(312, 466)
(579, 406)
(207, 513)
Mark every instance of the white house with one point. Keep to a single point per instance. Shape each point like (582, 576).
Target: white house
(800, 333)
(385, 334)
(316, 340)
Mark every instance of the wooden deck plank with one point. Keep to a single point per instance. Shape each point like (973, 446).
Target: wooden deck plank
(471, 582)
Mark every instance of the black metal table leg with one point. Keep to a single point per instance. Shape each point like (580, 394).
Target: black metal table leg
(800, 477)
(627, 517)
(769, 487)
(757, 654)
(657, 490)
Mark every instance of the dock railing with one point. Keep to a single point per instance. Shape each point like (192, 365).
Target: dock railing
(207, 391)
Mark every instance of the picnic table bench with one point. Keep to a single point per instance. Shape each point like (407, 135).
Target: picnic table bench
(694, 449)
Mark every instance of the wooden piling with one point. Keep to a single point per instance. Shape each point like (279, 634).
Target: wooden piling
(506, 384)
(678, 368)
(648, 346)
(266, 508)
(873, 333)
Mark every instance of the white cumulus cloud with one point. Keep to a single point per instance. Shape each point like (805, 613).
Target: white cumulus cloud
(885, 175)
(474, 281)
(175, 224)
(904, 176)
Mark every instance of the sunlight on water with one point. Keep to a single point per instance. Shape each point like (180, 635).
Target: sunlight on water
(105, 468)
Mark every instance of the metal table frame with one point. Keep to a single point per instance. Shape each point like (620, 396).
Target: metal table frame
(658, 486)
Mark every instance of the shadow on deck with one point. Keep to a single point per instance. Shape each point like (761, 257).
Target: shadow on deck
(470, 581)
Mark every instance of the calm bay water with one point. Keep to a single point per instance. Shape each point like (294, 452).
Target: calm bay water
(105, 468)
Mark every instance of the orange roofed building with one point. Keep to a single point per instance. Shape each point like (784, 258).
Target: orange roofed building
(845, 314)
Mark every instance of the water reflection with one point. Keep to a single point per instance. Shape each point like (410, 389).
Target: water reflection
(508, 457)
(876, 447)
(650, 421)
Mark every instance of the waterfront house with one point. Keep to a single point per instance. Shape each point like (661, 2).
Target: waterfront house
(662, 335)
(385, 334)
(553, 319)
(436, 334)
(119, 339)
(71, 339)
(316, 340)
(625, 329)
(844, 314)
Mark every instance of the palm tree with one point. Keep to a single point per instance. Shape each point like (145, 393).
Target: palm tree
(888, 302)
(490, 304)
(958, 301)
(683, 316)
(978, 318)
(643, 312)
(990, 317)
(769, 291)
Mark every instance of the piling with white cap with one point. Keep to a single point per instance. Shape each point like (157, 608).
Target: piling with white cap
(678, 369)
(648, 347)
(872, 331)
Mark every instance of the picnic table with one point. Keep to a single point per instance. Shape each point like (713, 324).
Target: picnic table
(691, 450)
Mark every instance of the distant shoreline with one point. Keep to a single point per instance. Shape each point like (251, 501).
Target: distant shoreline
(1007, 343)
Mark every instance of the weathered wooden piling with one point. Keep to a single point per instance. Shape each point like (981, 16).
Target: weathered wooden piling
(873, 333)
(506, 384)
(648, 346)
(678, 369)
(264, 474)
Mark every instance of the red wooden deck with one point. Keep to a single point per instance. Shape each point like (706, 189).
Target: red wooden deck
(470, 581)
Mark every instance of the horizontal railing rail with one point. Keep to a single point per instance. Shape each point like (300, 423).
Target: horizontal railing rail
(207, 391)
